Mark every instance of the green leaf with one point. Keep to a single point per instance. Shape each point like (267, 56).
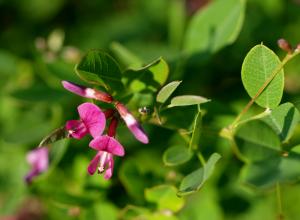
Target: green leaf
(148, 78)
(176, 155)
(165, 197)
(279, 168)
(185, 100)
(132, 179)
(129, 59)
(195, 180)
(98, 67)
(257, 68)
(215, 26)
(177, 20)
(283, 120)
(256, 140)
(56, 135)
(196, 130)
(167, 91)
(39, 93)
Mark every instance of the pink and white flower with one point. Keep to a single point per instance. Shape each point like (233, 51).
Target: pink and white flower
(107, 147)
(92, 121)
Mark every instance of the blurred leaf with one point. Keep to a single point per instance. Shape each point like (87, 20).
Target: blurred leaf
(215, 26)
(167, 91)
(38, 93)
(98, 67)
(257, 141)
(202, 205)
(283, 120)
(196, 130)
(176, 155)
(195, 180)
(56, 135)
(128, 58)
(165, 197)
(278, 168)
(187, 100)
(130, 212)
(62, 70)
(148, 78)
(257, 68)
(177, 19)
(132, 179)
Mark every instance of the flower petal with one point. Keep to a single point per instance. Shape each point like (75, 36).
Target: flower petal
(109, 171)
(108, 144)
(94, 164)
(77, 89)
(133, 125)
(76, 128)
(93, 118)
(39, 161)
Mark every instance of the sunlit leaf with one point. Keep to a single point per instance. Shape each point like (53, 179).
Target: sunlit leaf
(167, 91)
(257, 68)
(187, 100)
(215, 26)
(165, 197)
(195, 180)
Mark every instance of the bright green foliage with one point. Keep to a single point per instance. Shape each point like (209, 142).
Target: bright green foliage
(195, 180)
(283, 120)
(98, 67)
(176, 155)
(215, 26)
(165, 197)
(167, 91)
(148, 78)
(257, 68)
(185, 100)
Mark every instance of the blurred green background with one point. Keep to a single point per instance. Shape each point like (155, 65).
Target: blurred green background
(40, 43)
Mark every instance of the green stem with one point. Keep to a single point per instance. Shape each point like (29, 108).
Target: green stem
(279, 202)
(286, 59)
(201, 158)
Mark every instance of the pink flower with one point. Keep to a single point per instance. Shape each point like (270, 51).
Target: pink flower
(39, 161)
(87, 92)
(92, 121)
(107, 147)
(133, 125)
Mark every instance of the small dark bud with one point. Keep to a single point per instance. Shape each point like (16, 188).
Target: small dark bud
(284, 45)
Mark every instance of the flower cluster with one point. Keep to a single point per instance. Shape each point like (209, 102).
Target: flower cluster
(92, 121)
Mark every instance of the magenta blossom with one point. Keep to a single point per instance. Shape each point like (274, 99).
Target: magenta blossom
(39, 161)
(92, 121)
(107, 147)
(133, 125)
(87, 92)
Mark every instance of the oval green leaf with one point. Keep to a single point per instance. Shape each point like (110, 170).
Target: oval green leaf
(176, 155)
(167, 91)
(256, 140)
(257, 68)
(215, 26)
(98, 67)
(195, 180)
(185, 100)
